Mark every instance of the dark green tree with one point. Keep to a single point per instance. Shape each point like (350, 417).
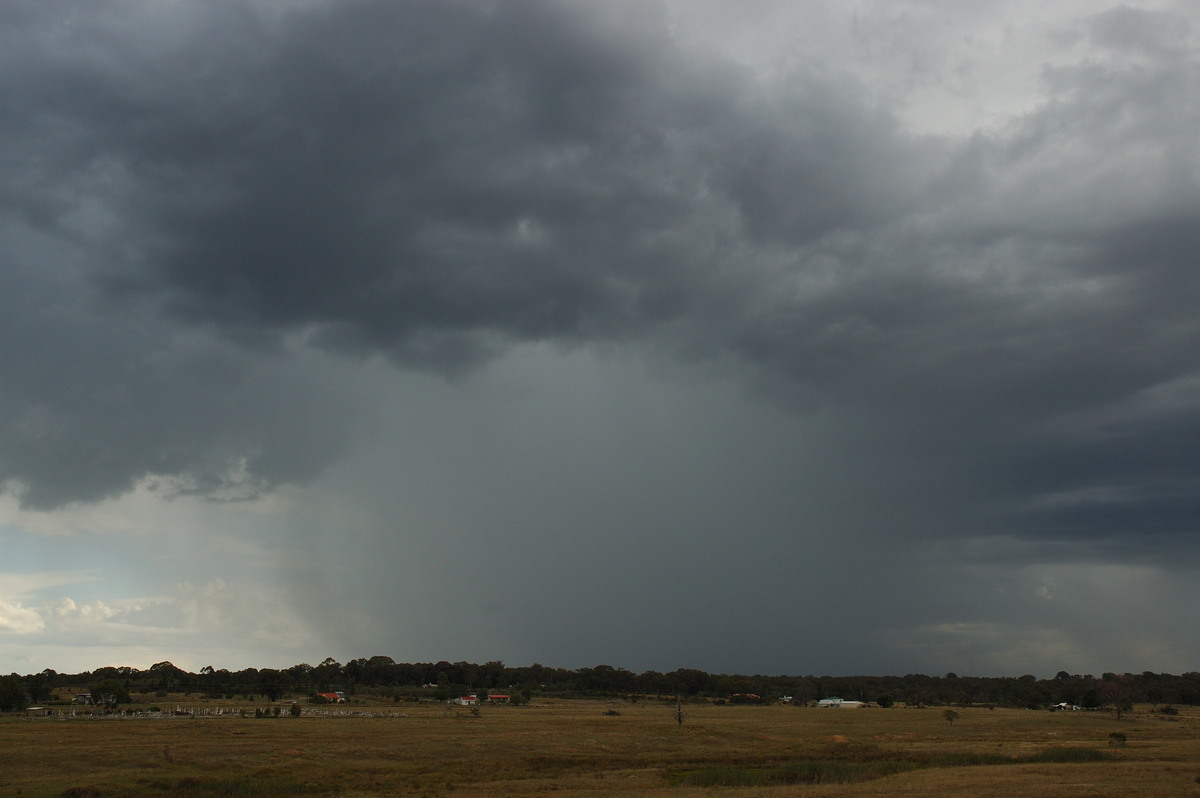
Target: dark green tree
(166, 676)
(272, 683)
(110, 693)
(40, 687)
(12, 694)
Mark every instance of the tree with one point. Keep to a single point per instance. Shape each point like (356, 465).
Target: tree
(1117, 691)
(678, 713)
(167, 676)
(950, 715)
(12, 694)
(110, 693)
(271, 683)
(40, 687)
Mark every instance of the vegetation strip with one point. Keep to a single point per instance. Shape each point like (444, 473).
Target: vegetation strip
(840, 771)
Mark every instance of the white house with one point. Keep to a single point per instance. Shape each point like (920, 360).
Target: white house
(840, 704)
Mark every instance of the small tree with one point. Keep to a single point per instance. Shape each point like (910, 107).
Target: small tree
(950, 715)
(1118, 691)
(678, 713)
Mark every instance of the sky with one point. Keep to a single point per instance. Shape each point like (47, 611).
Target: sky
(769, 337)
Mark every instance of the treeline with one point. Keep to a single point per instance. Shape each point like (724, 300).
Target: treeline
(382, 677)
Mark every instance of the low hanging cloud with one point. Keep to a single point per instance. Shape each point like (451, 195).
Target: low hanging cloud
(210, 211)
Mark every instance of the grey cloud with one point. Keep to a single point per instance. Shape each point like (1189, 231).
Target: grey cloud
(1153, 31)
(433, 183)
(95, 400)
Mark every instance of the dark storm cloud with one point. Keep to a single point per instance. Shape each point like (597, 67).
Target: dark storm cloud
(990, 318)
(94, 400)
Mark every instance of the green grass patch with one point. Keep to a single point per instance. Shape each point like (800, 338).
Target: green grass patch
(960, 759)
(808, 771)
(1068, 755)
(879, 765)
(244, 787)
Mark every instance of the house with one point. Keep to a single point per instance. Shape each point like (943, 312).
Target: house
(466, 701)
(493, 698)
(1063, 706)
(744, 698)
(332, 698)
(838, 703)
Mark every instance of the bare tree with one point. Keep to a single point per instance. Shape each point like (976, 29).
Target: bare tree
(678, 713)
(1117, 691)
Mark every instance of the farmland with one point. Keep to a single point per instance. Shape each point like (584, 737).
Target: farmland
(594, 748)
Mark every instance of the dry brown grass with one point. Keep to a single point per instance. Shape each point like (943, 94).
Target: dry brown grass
(572, 748)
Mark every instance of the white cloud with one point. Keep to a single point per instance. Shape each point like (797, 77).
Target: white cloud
(18, 619)
(196, 625)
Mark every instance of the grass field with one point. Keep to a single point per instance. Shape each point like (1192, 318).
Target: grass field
(573, 748)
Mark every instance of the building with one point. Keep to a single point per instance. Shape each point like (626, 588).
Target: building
(838, 703)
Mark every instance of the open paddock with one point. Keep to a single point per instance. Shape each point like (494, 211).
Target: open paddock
(573, 748)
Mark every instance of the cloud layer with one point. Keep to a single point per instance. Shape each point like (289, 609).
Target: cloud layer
(238, 237)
